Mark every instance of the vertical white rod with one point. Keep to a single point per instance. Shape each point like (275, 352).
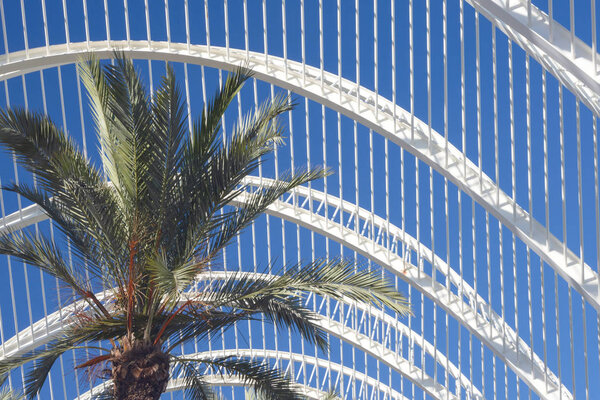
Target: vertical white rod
(474, 253)
(148, 34)
(597, 194)
(462, 87)
(106, 22)
(207, 25)
(226, 21)
(265, 33)
(445, 56)
(512, 130)
(543, 297)
(303, 40)
(528, 122)
(594, 40)
(580, 189)
(6, 48)
(411, 68)
(246, 37)
(357, 44)
(45, 22)
(284, 33)
(551, 18)
(167, 24)
(585, 350)
(126, 12)
(502, 304)
(562, 170)
(516, 295)
(428, 68)
(557, 313)
(572, 27)
(321, 49)
(530, 307)
(478, 100)
(24, 23)
(571, 344)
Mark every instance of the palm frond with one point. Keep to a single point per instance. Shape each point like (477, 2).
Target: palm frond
(10, 394)
(215, 234)
(341, 280)
(195, 386)
(208, 318)
(123, 120)
(61, 171)
(338, 278)
(164, 179)
(43, 149)
(257, 203)
(44, 360)
(98, 250)
(268, 382)
(44, 254)
(210, 183)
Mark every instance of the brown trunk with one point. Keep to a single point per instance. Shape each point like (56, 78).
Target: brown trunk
(139, 371)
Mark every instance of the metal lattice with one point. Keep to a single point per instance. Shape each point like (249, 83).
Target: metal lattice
(463, 139)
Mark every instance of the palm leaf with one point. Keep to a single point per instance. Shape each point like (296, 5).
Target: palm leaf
(195, 386)
(266, 381)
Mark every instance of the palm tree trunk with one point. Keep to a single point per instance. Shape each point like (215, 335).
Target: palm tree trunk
(139, 371)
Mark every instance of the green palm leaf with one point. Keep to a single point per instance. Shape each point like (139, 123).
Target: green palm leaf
(151, 222)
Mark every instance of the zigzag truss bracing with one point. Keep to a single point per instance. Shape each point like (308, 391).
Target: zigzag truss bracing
(308, 367)
(388, 246)
(359, 104)
(51, 327)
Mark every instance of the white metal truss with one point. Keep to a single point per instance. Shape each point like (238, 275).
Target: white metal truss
(287, 359)
(567, 57)
(384, 244)
(47, 329)
(51, 327)
(551, 366)
(214, 380)
(341, 95)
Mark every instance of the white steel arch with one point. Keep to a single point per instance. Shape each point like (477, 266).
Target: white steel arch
(567, 57)
(341, 95)
(177, 383)
(391, 249)
(558, 50)
(51, 327)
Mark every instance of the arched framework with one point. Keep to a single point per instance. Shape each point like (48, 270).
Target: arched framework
(44, 331)
(390, 248)
(306, 365)
(566, 56)
(492, 106)
(394, 123)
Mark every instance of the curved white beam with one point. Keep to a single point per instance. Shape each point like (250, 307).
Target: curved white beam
(481, 320)
(341, 95)
(176, 384)
(548, 45)
(47, 329)
(483, 323)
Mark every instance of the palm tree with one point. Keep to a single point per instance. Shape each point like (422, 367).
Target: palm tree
(148, 226)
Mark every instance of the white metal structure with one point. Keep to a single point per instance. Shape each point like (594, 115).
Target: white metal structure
(463, 139)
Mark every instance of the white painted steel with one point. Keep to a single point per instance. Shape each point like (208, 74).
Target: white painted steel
(565, 56)
(50, 328)
(358, 105)
(176, 383)
(557, 49)
(472, 311)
